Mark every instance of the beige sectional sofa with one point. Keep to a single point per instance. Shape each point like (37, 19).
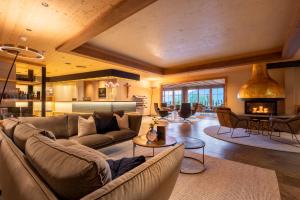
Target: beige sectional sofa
(36, 167)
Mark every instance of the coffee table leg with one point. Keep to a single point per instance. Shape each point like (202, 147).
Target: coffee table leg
(153, 152)
(201, 162)
(133, 150)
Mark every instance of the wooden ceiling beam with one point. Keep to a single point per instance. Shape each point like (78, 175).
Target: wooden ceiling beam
(111, 17)
(114, 58)
(265, 57)
(292, 44)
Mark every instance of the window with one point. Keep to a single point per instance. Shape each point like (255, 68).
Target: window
(204, 96)
(177, 97)
(193, 96)
(168, 97)
(218, 96)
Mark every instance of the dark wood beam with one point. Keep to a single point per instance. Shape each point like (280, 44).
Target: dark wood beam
(285, 64)
(292, 44)
(95, 74)
(227, 63)
(112, 57)
(111, 17)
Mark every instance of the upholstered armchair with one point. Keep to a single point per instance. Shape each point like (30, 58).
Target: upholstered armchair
(229, 119)
(159, 112)
(291, 126)
(194, 108)
(185, 111)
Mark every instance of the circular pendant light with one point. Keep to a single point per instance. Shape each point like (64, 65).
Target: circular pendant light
(23, 52)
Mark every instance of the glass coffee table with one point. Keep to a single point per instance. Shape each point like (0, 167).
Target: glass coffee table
(143, 142)
(192, 143)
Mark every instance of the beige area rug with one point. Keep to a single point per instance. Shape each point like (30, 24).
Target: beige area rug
(222, 179)
(283, 143)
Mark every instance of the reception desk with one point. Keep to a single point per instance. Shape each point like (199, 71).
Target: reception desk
(103, 106)
(59, 107)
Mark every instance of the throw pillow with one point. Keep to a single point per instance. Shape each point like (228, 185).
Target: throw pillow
(105, 122)
(120, 167)
(123, 122)
(86, 126)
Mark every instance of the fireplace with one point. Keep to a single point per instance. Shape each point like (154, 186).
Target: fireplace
(261, 107)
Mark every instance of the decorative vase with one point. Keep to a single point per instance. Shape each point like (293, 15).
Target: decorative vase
(151, 135)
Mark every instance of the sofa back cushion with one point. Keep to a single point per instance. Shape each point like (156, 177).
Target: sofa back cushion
(22, 132)
(58, 124)
(9, 125)
(73, 123)
(70, 172)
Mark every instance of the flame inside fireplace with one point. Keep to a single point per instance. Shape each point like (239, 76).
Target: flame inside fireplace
(260, 109)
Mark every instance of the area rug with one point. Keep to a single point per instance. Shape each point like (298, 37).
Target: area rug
(283, 143)
(222, 179)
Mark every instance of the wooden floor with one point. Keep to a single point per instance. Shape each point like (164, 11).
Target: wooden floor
(286, 165)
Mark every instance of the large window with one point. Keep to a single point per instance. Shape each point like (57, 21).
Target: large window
(177, 97)
(168, 97)
(192, 95)
(217, 96)
(204, 96)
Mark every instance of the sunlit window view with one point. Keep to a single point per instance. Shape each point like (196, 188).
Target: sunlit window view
(177, 97)
(168, 97)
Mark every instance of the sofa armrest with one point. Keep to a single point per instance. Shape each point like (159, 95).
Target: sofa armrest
(154, 179)
(135, 122)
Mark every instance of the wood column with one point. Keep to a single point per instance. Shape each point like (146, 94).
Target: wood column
(43, 110)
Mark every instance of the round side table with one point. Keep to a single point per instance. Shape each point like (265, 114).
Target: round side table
(192, 143)
(143, 142)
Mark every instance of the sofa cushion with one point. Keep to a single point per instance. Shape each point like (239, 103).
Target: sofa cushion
(105, 122)
(93, 141)
(73, 123)
(22, 132)
(86, 126)
(9, 125)
(122, 121)
(122, 134)
(71, 172)
(57, 124)
(66, 142)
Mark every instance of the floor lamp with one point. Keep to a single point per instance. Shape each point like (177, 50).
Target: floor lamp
(18, 51)
(151, 99)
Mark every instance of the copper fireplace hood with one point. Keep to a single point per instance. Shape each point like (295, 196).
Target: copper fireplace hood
(261, 85)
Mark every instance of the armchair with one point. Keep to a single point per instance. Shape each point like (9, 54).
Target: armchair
(229, 119)
(185, 111)
(159, 112)
(291, 126)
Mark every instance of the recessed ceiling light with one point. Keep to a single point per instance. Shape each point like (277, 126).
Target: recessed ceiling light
(45, 4)
(23, 38)
(28, 29)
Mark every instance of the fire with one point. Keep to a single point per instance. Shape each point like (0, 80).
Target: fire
(260, 109)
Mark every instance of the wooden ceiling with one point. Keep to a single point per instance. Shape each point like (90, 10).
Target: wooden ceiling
(48, 26)
(151, 36)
